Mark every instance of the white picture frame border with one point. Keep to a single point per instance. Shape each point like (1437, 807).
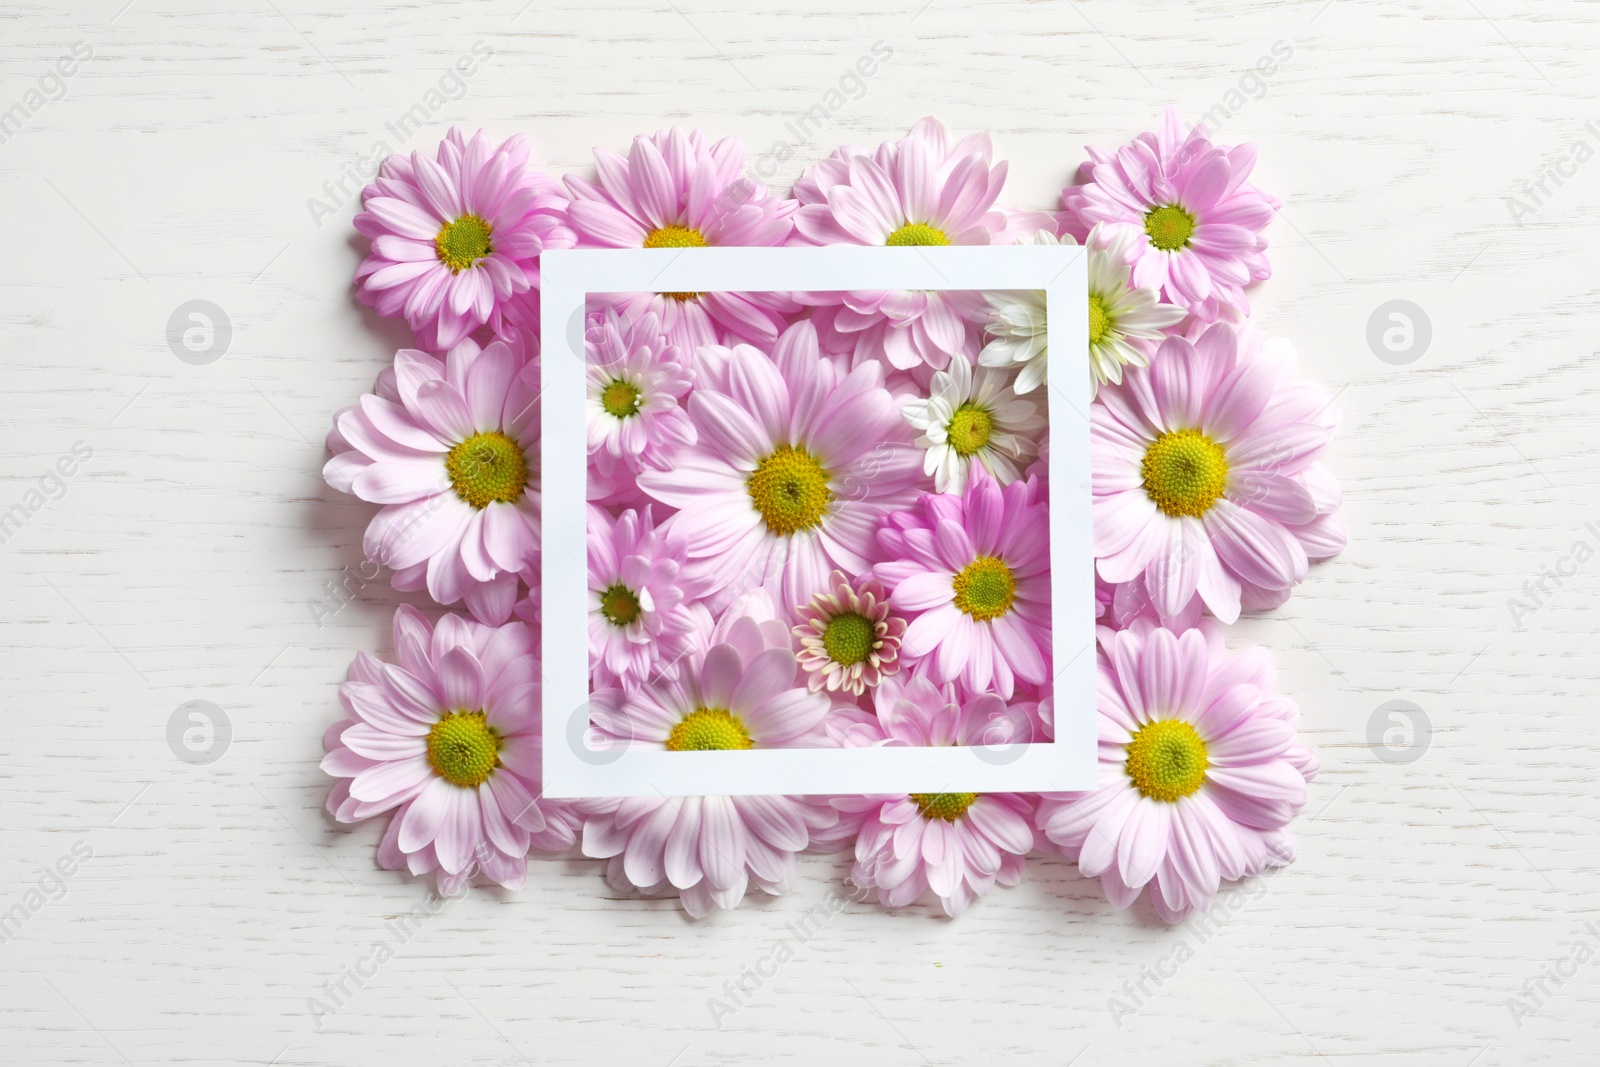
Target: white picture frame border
(572, 767)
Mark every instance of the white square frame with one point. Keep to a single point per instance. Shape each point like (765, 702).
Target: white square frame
(574, 769)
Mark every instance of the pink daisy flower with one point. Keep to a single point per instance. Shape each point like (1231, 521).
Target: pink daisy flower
(711, 850)
(1200, 771)
(920, 190)
(973, 573)
(1204, 468)
(450, 449)
(849, 640)
(794, 467)
(639, 619)
(455, 238)
(635, 380)
(1197, 221)
(955, 845)
(448, 740)
(676, 190)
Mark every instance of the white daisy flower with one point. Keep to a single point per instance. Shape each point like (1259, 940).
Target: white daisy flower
(973, 416)
(1117, 312)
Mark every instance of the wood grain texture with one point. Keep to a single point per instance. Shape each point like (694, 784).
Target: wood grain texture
(179, 561)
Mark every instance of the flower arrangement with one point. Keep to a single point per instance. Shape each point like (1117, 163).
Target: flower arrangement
(820, 519)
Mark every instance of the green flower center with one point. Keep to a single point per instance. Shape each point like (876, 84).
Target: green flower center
(1167, 760)
(849, 638)
(487, 467)
(916, 233)
(985, 588)
(620, 399)
(790, 490)
(946, 806)
(619, 605)
(969, 429)
(463, 242)
(1184, 472)
(1169, 227)
(463, 748)
(1099, 322)
(707, 729)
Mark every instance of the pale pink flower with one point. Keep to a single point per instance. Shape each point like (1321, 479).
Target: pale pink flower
(448, 740)
(450, 448)
(635, 381)
(1197, 221)
(794, 468)
(1201, 770)
(972, 571)
(920, 190)
(676, 190)
(849, 639)
(639, 618)
(1205, 476)
(457, 237)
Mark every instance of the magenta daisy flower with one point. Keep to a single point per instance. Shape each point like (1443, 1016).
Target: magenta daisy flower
(794, 467)
(1204, 466)
(455, 238)
(920, 190)
(956, 845)
(710, 850)
(1200, 771)
(452, 455)
(635, 380)
(638, 617)
(1198, 222)
(448, 740)
(676, 190)
(849, 640)
(973, 573)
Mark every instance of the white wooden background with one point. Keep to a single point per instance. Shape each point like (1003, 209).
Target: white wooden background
(179, 562)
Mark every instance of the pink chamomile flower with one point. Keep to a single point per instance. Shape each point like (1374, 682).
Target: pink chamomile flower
(1206, 478)
(635, 381)
(457, 237)
(675, 189)
(639, 620)
(923, 189)
(1197, 221)
(448, 740)
(972, 572)
(1201, 770)
(849, 639)
(450, 448)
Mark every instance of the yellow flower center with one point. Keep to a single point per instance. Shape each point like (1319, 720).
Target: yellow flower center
(676, 237)
(969, 429)
(1169, 227)
(1099, 322)
(946, 806)
(849, 638)
(790, 490)
(706, 729)
(916, 233)
(619, 605)
(487, 467)
(620, 399)
(463, 748)
(1184, 472)
(463, 242)
(1167, 760)
(985, 588)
